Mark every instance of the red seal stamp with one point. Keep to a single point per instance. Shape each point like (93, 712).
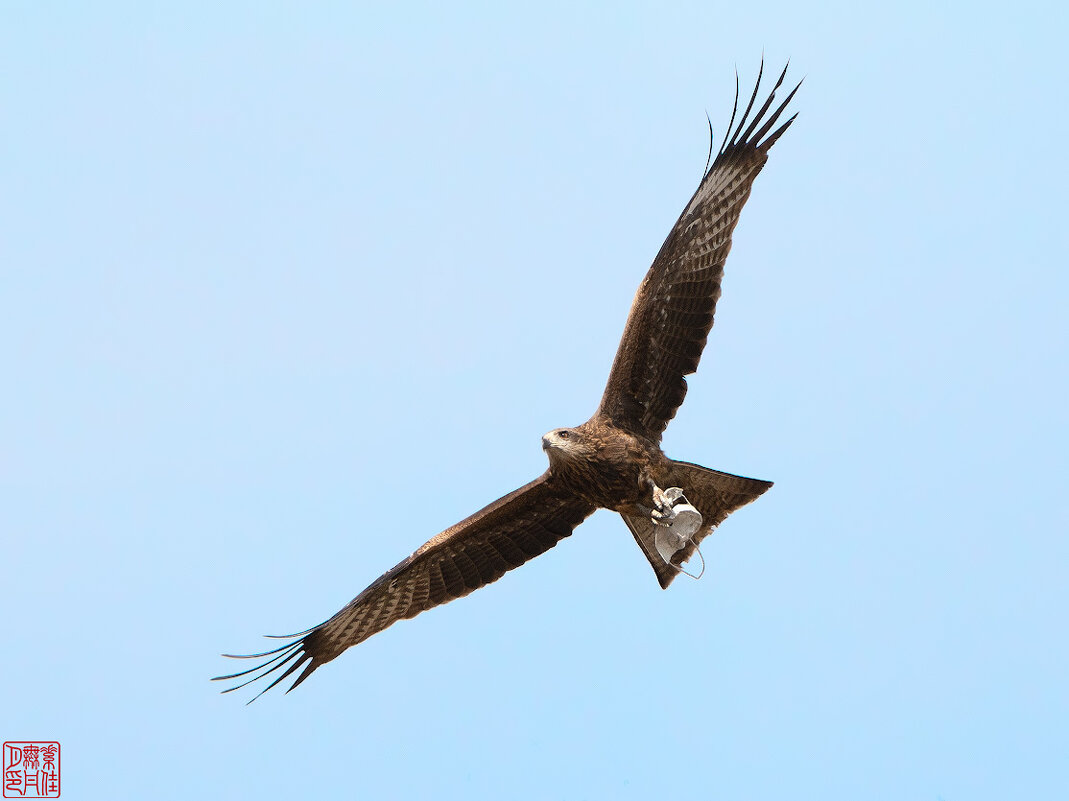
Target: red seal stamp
(31, 769)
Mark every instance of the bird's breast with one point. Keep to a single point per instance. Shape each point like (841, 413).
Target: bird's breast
(611, 476)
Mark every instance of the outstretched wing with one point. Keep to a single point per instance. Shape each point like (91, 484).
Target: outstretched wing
(470, 555)
(673, 310)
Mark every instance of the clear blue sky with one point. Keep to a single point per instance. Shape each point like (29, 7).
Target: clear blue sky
(285, 291)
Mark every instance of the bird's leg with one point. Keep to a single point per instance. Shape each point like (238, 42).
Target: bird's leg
(662, 513)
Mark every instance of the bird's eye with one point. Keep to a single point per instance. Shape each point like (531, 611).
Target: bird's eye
(563, 434)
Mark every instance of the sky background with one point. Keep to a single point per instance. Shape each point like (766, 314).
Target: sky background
(287, 289)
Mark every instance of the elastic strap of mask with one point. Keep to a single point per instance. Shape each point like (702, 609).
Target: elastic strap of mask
(686, 572)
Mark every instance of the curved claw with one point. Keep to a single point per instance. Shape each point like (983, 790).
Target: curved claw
(664, 504)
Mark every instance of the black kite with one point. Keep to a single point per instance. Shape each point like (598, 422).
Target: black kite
(613, 460)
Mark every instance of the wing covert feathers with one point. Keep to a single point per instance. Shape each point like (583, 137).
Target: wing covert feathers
(673, 310)
(467, 556)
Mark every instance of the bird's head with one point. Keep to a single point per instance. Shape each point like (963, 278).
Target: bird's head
(564, 443)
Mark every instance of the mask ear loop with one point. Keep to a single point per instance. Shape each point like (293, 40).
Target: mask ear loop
(686, 572)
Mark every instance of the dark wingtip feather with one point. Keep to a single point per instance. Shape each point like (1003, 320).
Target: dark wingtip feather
(771, 140)
(749, 108)
(761, 113)
(709, 157)
(734, 111)
(296, 653)
(283, 656)
(302, 657)
(311, 666)
(759, 136)
(754, 134)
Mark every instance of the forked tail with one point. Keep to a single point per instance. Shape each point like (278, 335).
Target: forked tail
(714, 494)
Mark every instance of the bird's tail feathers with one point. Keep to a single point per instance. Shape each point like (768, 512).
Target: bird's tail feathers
(713, 493)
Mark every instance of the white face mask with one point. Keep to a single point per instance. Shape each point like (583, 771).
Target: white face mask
(672, 539)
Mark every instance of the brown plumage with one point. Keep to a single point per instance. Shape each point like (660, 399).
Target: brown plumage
(613, 460)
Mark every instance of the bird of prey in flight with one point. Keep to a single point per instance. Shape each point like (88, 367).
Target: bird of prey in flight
(613, 460)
